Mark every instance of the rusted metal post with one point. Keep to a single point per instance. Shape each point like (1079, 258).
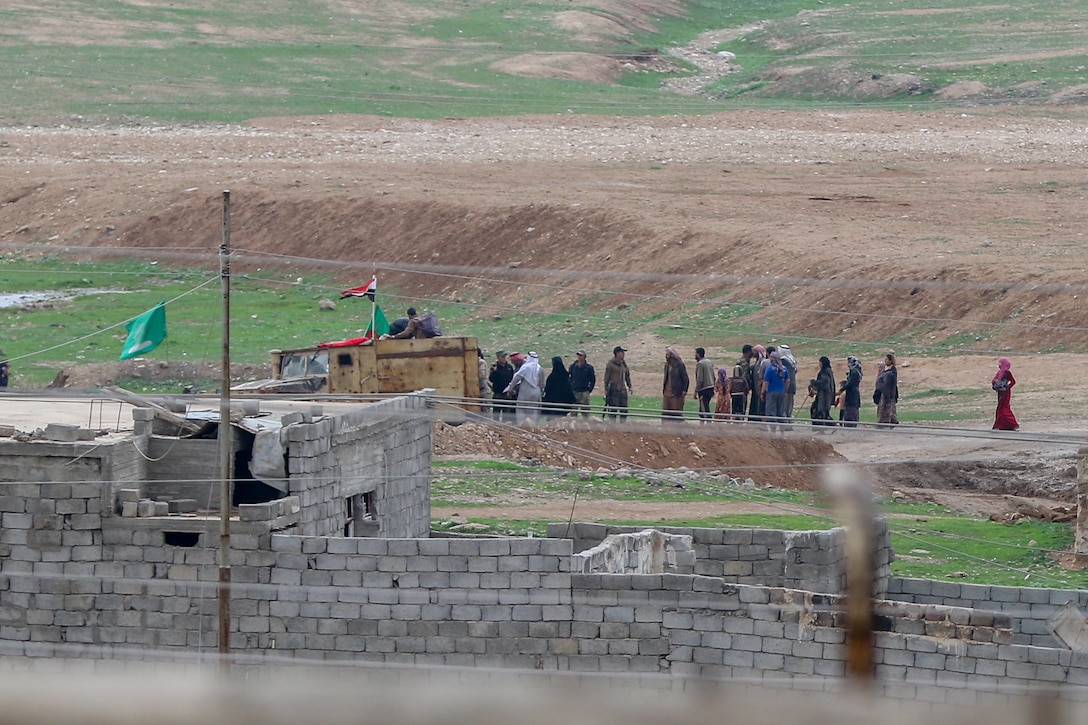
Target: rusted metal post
(226, 458)
(855, 501)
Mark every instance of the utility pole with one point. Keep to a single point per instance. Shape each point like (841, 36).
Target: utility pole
(226, 454)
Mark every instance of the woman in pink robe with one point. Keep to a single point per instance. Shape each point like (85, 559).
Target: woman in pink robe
(1002, 383)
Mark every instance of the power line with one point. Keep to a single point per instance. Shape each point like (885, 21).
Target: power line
(494, 276)
(104, 330)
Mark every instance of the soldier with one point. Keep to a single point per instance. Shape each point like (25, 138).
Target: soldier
(500, 376)
(617, 385)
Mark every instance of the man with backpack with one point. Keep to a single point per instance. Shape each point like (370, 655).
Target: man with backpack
(414, 328)
(418, 327)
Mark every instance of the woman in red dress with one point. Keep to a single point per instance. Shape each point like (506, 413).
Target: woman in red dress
(1002, 383)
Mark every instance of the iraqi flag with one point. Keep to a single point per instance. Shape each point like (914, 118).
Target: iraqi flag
(366, 290)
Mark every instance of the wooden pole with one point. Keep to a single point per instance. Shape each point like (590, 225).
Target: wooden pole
(1080, 531)
(226, 457)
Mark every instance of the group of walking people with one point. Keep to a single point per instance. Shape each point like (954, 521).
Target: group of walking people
(763, 383)
(521, 391)
(761, 386)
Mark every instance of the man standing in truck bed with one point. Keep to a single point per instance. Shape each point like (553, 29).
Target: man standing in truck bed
(414, 329)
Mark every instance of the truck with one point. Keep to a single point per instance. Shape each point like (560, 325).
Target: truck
(447, 364)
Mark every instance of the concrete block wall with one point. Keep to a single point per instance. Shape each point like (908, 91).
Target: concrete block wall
(1028, 608)
(105, 467)
(469, 602)
(133, 589)
(808, 560)
(705, 627)
(184, 468)
(509, 603)
(54, 498)
(384, 448)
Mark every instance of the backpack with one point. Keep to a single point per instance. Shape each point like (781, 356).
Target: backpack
(429, 323)
(738, 383)
(791, 384)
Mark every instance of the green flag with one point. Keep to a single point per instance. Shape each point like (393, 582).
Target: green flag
(380, 323)
(145, 332)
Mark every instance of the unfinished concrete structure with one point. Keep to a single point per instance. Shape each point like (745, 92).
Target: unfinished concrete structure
(79, 579)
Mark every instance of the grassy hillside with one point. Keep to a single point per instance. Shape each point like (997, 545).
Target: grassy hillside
(434, 58)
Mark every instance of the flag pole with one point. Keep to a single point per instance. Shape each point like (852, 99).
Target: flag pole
(374, 309)
(225, 455)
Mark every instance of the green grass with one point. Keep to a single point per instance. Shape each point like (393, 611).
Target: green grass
(930, 541)
(479, 483)
(88, 328)
(984, 552)
(231, 62)
(839, 47)
(269, 310)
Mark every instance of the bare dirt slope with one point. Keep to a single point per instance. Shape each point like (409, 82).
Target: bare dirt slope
(965, 225)
(739, 451)
(857, 225)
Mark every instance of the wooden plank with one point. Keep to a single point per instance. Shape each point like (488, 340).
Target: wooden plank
(160, 412)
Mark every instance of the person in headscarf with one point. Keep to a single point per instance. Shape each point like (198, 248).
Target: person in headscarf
(1002, 382)
(824, 388)
(757, 365)
(528, 381)
(886, 394)
(791, 365)
(723, 407)
(851, 409)
(674, 388)
(558, 394)
(773, 391)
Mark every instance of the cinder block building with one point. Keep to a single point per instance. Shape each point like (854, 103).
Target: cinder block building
(332, 559)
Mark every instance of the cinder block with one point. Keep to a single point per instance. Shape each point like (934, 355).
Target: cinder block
(182, 506)
(63, 432)
(128, 494)
(1024, 670)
